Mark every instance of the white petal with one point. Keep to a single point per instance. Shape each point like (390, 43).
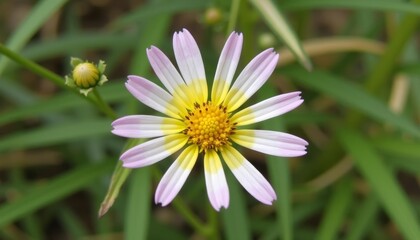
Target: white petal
(176, 175)
(226, 67)
(249, 177)
(251, 79)
(216, 184)
(190, 63)
(271, 142)
(152, 95)
(268, 108)
(153, 151)
(146, 126)
(164, 69)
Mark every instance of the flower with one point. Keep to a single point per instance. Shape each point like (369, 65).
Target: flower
(208, 127)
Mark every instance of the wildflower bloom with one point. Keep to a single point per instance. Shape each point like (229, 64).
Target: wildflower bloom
(208, 126)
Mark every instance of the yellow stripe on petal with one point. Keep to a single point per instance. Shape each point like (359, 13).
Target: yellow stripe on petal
(187, 158)
(174, 142)
(184, 97)
(234, 99)
(243, 117)
(212, 162)
(171, 125)
(232, 157)
(245, 138)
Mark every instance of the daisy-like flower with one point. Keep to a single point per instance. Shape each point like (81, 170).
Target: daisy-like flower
(208, 126)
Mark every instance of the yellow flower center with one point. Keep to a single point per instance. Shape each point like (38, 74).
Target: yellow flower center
(209, 126)
(85, 75)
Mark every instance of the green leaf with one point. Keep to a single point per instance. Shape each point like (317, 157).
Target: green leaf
(278, 169)
(52, 191)
(275, 19)
(351, 95)
(382, 181)
(335, 212)
(55, 134)
(376, 5)
(37, 17)
(62, 102)
(138, 205)
(235, 218)
(364, 219)
(157, 9)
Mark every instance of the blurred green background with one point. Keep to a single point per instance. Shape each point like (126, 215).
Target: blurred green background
(356, 62)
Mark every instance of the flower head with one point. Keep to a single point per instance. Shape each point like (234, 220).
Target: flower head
(199, 124)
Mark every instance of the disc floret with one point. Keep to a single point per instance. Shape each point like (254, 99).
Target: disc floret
(208, 126)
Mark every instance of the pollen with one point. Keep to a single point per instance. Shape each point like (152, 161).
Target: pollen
(208, 126)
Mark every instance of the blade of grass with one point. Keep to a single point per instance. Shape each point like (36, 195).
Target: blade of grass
(335, 212)
(38, 16)
(235, 218)
(382, 181)
(138, 205)
(376, 5)
(278, 169)
(364, 219)
(55, 134)
(353, 96)
(52, 191)
(157, 9)
(62, 102)
(275, 19)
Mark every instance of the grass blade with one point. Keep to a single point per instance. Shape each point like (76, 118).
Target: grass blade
(55, 134)
(376, 5)
(138, 205)
(235, 219)
(351, 95)
(281, 28)
(52, 191)
(337, 207)
(38, 16)
(382, 182)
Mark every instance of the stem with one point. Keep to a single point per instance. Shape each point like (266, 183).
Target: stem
(105, 108)
(233, 16)
(58, 80)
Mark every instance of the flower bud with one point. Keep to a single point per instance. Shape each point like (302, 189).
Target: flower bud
(86, 75)
(213, 16)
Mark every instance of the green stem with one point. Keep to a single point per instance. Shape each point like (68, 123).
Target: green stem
(36, 68)
(233, 16)
(105, 108)
(58, 80)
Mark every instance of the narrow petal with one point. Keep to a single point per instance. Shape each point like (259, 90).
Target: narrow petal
(267, 109)
(216, 184)
(153, 151)
(152, 95)
(175, 176)
(271, 142)
(251, 79)
(190, 63)
(249, 177)
(170, 77)
(164, 69)
(226, 67)
(145, 126)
